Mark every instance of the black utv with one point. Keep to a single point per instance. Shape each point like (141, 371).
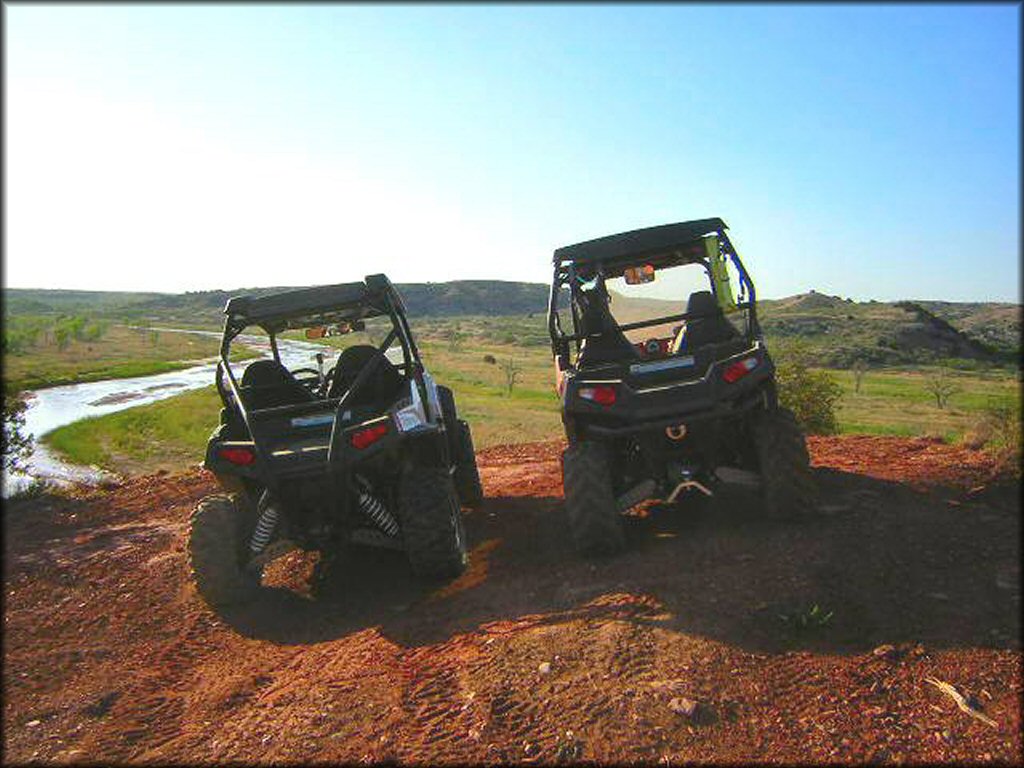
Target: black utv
(659, 398)
(369, 451)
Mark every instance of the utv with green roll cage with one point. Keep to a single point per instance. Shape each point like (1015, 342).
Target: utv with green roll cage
(370, 451)
(661, 399)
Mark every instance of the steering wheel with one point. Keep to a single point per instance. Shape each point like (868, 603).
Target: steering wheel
(315, 385)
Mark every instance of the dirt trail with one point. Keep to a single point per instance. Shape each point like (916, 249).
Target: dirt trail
(534, 654)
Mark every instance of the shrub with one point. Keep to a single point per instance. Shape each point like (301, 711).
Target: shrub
(810, 394)
(997, 432)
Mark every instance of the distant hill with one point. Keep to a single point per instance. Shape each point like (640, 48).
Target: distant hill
(459, 297)
(995, 324)
(837, 330)
(841, 331)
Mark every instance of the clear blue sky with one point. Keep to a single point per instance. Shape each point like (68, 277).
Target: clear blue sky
(868, 151)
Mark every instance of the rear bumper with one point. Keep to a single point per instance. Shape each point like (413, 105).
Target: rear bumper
(722, 411)
(301, 458)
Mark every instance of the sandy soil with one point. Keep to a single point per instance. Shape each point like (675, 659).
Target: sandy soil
(675, 651)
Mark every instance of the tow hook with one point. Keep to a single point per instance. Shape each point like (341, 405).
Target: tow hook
(687, 482)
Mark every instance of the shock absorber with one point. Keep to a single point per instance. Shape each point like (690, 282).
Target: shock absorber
(264, 526)
(374, 509)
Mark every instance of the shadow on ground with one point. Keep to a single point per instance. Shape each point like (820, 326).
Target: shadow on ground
(891, 565)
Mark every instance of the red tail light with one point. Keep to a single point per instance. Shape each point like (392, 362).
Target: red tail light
(739, 369)
(237, 455)
(602, 394)
(364, 438)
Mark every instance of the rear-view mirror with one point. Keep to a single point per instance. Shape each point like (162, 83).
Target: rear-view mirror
(639, 275)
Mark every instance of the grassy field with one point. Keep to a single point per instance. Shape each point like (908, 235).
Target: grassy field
(173, 433)
(897, 402)
(121, 352)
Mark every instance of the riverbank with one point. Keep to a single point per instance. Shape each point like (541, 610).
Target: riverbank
(123, 352)
(167, 435)
(51, 408)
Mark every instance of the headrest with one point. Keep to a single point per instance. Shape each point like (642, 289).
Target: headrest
(702, 302)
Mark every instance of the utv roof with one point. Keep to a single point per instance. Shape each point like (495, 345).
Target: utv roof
(326, 303)
(638, 242)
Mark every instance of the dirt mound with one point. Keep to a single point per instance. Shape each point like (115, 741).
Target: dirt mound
(700, 643)
(815, 300)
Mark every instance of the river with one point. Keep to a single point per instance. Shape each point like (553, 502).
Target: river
(53, 407)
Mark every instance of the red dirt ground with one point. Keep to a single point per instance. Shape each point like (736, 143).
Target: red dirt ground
(534, 655)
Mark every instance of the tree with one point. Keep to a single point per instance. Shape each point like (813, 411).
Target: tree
(63, 337)
(859, 369)
(17, 446)
(941, 386)
(511, 370)
(455, 337)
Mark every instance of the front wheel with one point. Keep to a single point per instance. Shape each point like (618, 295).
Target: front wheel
(785, 465)
(431, 520)
(594, 518)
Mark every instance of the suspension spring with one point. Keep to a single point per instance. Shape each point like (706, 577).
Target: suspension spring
(264, 526)
(374, 509)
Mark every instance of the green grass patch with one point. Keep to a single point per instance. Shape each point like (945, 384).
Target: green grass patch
(168, 434)
(897, 402)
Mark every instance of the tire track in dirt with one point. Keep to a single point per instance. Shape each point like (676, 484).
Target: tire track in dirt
(449, 703)
(151, 709)
(532, 657)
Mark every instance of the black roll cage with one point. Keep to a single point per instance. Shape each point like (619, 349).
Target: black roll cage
(566, 274)
(381, 298)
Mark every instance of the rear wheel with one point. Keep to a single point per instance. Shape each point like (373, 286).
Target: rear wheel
(594, 518)
(785, 466)
(460, 448)
(467, 476)
(428, 509)
(217, 546)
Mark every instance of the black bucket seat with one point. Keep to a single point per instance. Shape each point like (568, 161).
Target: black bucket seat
(268, 384)
(384, 384)
(604, 341)
(712, 328)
